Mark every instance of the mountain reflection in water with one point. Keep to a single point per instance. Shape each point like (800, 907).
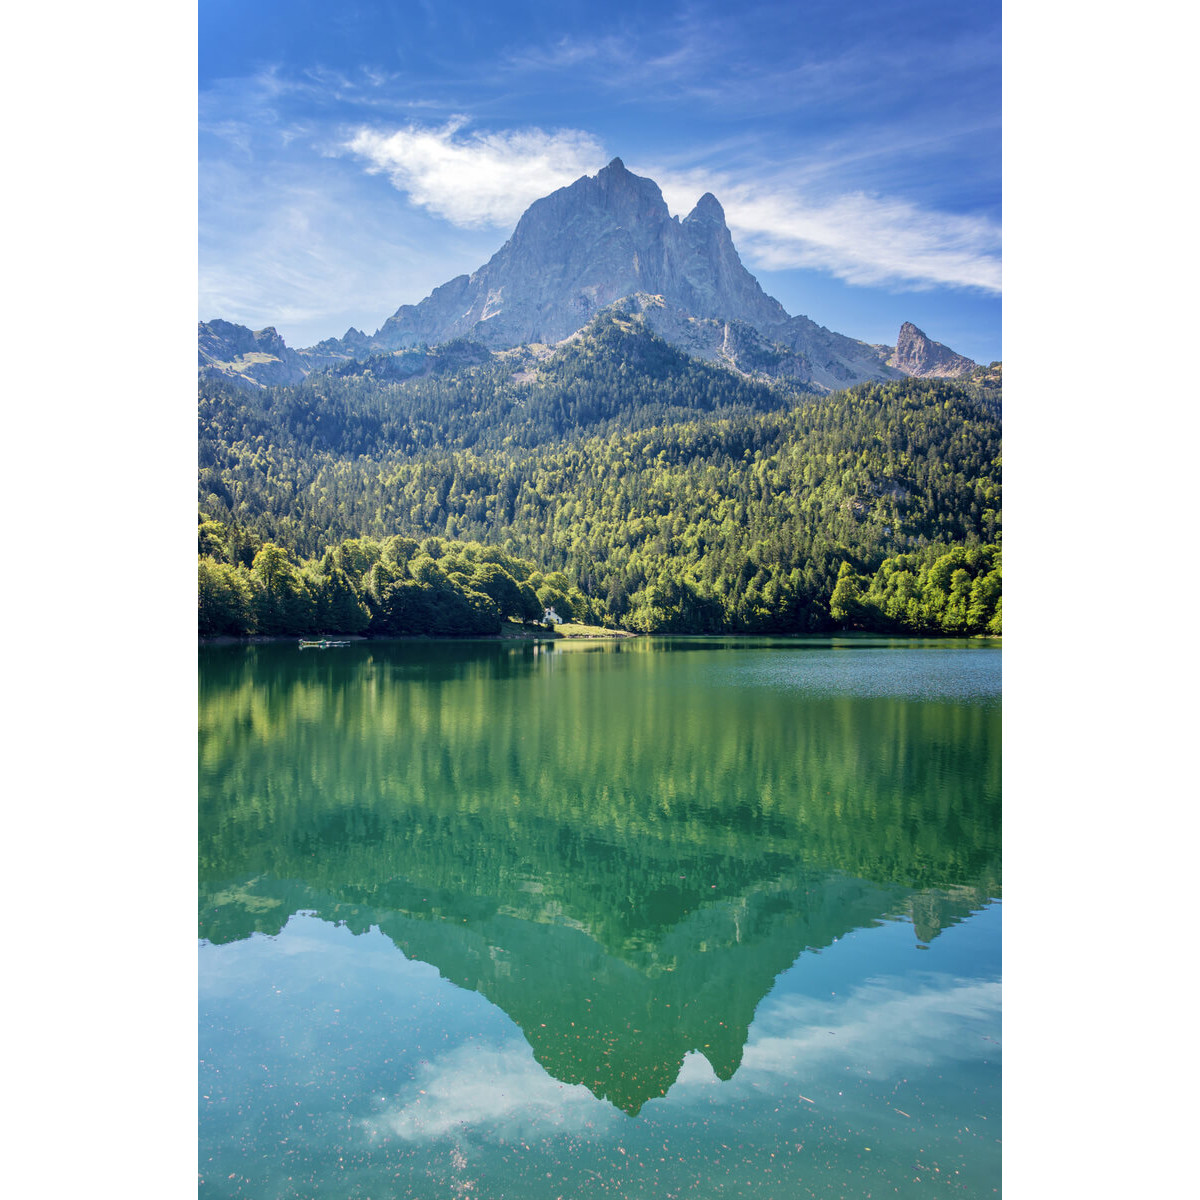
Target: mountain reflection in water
(620, 847)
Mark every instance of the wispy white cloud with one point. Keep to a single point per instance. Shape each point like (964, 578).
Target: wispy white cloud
(869, 240)
(477, 179)
(568, 54)
(276, 95)
(862, 239)
(734, 61)
(490, 1091)
(630, 69)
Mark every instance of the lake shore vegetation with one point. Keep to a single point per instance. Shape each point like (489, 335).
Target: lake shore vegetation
(626, 487)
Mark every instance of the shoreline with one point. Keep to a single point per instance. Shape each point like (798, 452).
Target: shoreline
(592, 633)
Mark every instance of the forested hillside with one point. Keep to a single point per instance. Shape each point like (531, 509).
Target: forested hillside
(459, 396)
(660, 494)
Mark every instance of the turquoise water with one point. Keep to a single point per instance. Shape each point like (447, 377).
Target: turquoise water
(692, 917)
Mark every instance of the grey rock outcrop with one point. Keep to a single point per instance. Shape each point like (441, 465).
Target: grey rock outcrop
(916, 354)
(577, 251)
(261, 358)
(609, 238)
(251, 358)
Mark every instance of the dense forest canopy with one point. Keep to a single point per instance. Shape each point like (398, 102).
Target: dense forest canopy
(618, 481)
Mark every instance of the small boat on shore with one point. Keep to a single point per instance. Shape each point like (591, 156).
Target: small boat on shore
(323, 644)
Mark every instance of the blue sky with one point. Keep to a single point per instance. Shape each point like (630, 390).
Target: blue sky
(353, 156)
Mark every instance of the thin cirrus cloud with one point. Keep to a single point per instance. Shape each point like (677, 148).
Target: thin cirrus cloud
(477, 179)
(859, 238)
(868, 240)
(718, 58)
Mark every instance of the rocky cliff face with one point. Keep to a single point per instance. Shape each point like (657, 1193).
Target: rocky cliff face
(577, 251)
(916, 354)
(606, 239)
(611, 238)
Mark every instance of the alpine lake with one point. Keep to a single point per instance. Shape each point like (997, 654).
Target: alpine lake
(694, 917)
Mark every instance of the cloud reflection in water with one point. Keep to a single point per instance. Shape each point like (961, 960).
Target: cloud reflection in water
(499, 1091)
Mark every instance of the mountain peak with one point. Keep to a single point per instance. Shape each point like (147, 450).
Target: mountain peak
(610, 237)
(917, 354)
(634, 199)
(708, 208)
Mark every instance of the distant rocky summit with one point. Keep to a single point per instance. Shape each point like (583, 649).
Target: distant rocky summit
(606, 240)
(252, 358)
(918, 355)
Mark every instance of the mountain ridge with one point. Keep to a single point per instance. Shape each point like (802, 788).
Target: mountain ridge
(603, 241)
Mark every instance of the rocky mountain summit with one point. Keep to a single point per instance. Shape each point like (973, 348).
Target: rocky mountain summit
(579, 250)
(604, 241)
(918, 355)
(259, 358)
(608, 239)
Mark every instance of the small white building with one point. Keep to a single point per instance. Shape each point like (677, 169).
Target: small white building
(551, 618)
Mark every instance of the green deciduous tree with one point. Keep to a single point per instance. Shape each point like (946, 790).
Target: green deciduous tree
(845, 604)
(282, 601)
(224, 599)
